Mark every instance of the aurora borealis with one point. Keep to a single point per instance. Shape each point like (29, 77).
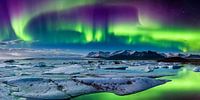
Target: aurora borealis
(54, 27)
(166, 24)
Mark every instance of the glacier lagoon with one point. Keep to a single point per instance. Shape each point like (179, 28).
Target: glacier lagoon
(17, 74)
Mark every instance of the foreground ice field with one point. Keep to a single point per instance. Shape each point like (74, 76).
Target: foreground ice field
(69, 78)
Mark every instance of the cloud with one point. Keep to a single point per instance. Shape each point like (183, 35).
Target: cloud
(20, 53)
(10, 42)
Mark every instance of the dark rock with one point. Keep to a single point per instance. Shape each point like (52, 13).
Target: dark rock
(9, 61)
(116, 62)
(10, 66)
(117, 68)
(41, 64)
(176, 67)
(90, 62)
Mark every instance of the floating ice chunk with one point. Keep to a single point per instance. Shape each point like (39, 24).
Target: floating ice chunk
(39, 88)
(42, 64)
(175, 66)
(72, 69)
(149, 69)
(196, 69)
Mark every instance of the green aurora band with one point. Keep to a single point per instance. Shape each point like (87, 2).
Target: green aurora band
(133, 34)
(19, 23)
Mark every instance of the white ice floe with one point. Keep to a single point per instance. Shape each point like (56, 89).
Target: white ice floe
(40, 88)
(149, 69)
(71, 69)
(196, 69)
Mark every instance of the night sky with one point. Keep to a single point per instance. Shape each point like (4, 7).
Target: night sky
(163, 25)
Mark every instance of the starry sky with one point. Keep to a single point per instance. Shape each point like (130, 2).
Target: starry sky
(163, 25)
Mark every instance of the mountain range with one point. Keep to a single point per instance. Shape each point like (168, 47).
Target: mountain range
(139, 55)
